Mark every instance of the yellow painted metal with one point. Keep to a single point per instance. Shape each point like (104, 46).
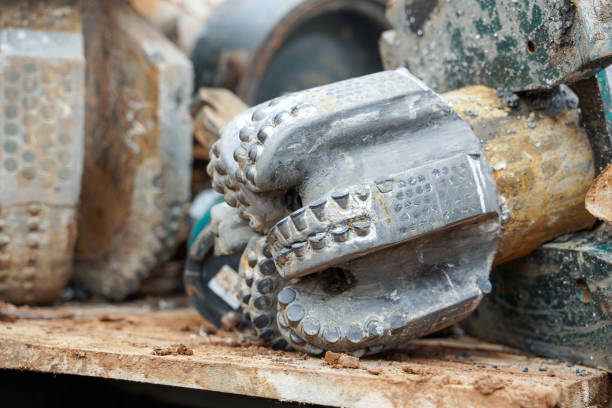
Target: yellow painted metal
(543, 166)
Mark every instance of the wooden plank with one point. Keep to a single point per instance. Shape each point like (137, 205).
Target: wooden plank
(137, 343)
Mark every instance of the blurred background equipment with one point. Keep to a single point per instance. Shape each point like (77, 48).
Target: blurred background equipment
(263, 49)
(137, 161)
(211, 270)
(212, 108)
(181, 21)
(42, 112)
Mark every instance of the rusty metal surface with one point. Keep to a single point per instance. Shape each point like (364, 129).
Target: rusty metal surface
(42, 109)
(135, 343)
(138, 150)
(542, 161)
(52, 15)
(518, 45)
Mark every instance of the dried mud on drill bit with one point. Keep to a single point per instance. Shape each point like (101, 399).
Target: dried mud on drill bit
(176, 346)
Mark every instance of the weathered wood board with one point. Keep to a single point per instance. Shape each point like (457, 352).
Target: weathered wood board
(135, 342)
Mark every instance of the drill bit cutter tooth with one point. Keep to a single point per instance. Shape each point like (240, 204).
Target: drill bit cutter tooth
(259, 286)
(377, 203)
(401, 292)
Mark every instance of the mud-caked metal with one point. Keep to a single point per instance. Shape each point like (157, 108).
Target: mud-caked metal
(377, 203)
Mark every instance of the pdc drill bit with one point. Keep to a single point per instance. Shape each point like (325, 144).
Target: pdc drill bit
(362, 198)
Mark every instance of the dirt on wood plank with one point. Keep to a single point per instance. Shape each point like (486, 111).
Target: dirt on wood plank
(340, 360)
(176, 350)
(10, 313)
(178, 347)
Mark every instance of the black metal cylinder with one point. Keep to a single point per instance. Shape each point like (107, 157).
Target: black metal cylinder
(264, 48)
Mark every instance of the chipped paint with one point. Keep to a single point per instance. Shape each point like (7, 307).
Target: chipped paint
(519, 45)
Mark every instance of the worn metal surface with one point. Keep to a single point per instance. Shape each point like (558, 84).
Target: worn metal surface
(542, 160)
(518, 45)
(119, 341)
(262, 49)
(557, 302)
(42, 109)
(599, 197)
(138, 150)
(353, 176)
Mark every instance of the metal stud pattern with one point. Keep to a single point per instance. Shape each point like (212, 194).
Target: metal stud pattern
(259, 286)
(416, 205)
(41, 160)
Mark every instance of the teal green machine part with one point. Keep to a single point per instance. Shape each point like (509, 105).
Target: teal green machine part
(604, 80)
(556, 302)
(201, 224)
(517, 45)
